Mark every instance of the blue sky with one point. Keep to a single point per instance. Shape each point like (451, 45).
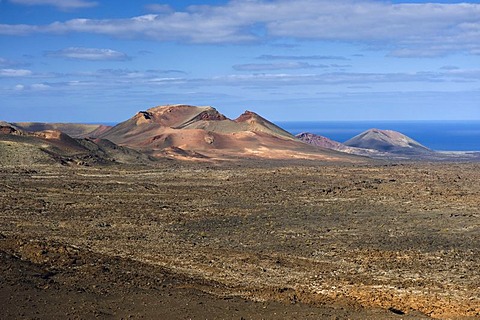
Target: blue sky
(102, 61)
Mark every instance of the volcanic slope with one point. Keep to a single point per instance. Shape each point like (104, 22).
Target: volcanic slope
(321, 141)
(21, 147)
(190, 131)
(387, 141)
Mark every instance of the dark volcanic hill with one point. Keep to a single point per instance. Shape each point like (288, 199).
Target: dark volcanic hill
(8, 128)
(21, 147)
(204, 132)
(387, 141)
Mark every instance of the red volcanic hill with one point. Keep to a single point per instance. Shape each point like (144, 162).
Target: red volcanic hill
(321, 141)
(204, 132)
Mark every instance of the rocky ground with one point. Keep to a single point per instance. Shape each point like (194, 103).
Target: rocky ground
(252, 240)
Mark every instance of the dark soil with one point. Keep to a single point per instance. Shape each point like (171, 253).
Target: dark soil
(243, 240)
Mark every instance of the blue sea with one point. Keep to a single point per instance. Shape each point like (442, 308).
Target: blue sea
(436, 135)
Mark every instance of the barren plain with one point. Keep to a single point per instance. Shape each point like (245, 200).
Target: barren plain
(241, 240)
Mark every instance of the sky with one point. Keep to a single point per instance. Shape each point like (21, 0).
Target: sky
(314, 60)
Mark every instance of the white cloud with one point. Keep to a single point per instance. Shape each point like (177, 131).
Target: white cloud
(131, 78)
(145, 82)
(313, 57)
(262, 80)
(332, 78)
(61, 4)
(31, 87)
(132, 74)
(39, 86)
(18, 29)
(92, 54)
(408, 29)
(276, 66)
(15, 73)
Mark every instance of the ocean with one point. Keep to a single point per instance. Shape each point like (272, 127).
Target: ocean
(436, 135)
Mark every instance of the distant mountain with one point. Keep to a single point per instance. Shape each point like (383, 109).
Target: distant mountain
(197, 133)
(74, 130)
(324, 142)
(387, 141)
(201, 132)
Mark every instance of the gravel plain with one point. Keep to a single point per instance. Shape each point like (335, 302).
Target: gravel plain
(248, 239)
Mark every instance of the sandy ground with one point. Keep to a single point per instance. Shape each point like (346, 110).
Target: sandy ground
(251, 240)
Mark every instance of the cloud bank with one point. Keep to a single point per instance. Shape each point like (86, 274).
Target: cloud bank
(127, 78)
(407, 29)
(276, 66)
(91, 54)
(15, 73)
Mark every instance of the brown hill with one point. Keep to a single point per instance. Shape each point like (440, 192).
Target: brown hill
(203, 131)
(387, 141)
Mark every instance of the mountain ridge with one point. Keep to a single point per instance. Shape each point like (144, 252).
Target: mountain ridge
(202, 133)
(205, 132)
